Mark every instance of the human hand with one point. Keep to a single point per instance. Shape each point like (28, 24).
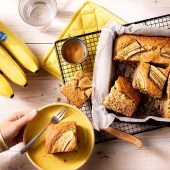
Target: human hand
(12, 126)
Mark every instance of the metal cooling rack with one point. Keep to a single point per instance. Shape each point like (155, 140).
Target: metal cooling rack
(91, 40)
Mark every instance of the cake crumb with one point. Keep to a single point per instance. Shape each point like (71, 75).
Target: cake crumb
(99, 152)
(58, 99)
(106, 156)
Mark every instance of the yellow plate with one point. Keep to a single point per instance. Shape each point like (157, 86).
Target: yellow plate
(61, 161)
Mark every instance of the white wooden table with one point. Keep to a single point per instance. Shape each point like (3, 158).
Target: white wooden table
(42, 89)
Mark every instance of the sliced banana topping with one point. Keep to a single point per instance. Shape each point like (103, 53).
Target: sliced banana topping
(85, 83)
(139, 82)
(64, 140)
(88, 92)
(132, 49)
(165, 52)
(157, 76)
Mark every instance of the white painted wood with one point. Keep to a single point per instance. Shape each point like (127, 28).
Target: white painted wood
(130, 11)
(44, 89)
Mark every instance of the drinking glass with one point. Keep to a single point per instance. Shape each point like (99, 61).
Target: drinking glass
(38, 13)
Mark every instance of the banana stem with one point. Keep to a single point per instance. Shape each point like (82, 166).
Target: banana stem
(3, 36)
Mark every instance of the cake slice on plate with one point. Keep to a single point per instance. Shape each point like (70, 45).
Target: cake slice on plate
(61, 137)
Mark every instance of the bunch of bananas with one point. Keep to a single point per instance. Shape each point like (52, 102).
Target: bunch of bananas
(11, 48)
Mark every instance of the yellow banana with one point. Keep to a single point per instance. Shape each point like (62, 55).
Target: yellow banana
(5, 88)
(19, 49)
(11, 69)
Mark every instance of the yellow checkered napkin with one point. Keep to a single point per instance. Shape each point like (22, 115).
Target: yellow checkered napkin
(90, 17)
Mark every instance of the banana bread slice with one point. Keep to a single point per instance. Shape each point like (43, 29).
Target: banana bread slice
(61, 137)
(166, 101)
(123, 98)
(79, 88)
(150, 80)
(168, 87)
(166, 108)
(142, 49)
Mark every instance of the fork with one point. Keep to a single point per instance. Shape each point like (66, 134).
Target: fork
(55, 119)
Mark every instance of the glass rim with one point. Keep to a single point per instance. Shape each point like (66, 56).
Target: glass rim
(21, 15)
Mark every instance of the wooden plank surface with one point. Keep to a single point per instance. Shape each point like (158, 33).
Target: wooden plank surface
(43, 89)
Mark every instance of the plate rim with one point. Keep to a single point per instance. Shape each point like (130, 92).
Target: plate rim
(73, 107)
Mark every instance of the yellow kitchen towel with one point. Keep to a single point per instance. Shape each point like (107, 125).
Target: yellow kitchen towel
(90, 17)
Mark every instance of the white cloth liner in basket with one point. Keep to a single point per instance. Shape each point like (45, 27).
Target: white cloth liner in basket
(104, 68)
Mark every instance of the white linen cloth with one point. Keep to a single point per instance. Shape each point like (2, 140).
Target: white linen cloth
(104, 68)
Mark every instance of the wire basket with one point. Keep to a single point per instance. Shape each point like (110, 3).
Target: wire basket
(91, 40)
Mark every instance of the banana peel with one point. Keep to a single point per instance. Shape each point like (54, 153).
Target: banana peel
(11, 47)
(11, 69)
(19, 49)
(5, 88)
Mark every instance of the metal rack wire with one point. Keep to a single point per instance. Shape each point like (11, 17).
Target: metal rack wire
(91, 40)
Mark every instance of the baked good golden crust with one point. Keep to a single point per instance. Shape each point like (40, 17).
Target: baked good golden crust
(61, 137)
(142, 49)
(168, 88)
(150, 80)
(166, 101)
(79, 88)
(123, 98)
(166, 108)
(125, 87)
